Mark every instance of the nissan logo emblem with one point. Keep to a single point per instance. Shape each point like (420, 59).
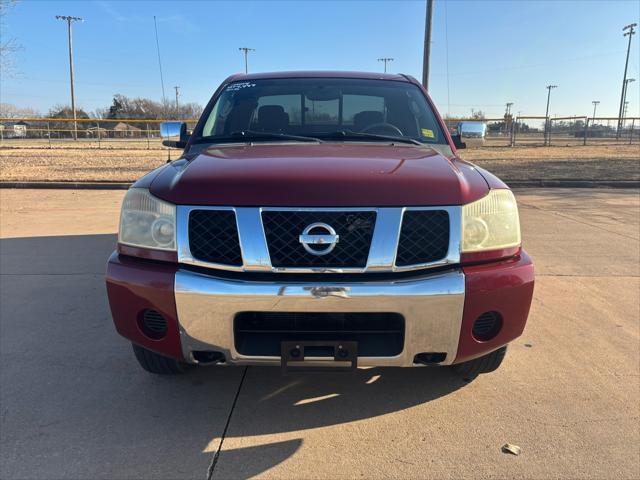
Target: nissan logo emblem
(319, 235)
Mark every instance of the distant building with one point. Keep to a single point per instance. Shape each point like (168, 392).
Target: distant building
(11, 129)
(123, 130)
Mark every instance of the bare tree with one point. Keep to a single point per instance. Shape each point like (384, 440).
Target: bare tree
(8, 110)
(8, 46)
(123, 107)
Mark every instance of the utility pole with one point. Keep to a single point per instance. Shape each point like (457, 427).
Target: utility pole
(385, 60)
(177, 88)
(630, 34)
(246, 57)
(595, 105)
(547, 128)
(70, 19)
(427, 45)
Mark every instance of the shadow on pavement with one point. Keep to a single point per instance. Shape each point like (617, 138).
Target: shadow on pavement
(75, 404)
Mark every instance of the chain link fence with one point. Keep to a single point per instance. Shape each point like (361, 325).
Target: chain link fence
(84, 133)
(508, 131)
(538, 131)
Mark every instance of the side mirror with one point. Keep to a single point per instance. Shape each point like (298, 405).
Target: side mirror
(457, 142)
(472, 134)
(174, 134)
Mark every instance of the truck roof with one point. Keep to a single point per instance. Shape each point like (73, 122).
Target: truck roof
(319, 74)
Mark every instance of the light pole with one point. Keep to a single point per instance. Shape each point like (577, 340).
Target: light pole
(547, 129)
(246, 51)
(427, 45)
(595, 105)
(70, 19)
(630, 33)
(385, 60)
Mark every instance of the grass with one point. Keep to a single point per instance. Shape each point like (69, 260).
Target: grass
(119, 162)
(597, 162)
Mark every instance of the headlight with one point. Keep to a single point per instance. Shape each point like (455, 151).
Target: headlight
(146, 221)
(491, 223)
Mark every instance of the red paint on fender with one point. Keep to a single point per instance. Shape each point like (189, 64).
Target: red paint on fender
(505, 287)
(133, 286)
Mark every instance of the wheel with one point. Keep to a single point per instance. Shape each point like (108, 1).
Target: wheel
(158, 364)
(485, 364)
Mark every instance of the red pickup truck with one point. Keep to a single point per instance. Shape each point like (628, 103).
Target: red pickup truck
(319, 219)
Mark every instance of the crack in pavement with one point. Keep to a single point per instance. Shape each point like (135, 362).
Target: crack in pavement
(216, 456)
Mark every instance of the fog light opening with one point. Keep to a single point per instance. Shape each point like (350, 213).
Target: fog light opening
(429, 358)
(487, 326)
(208, 357)
(152, 324)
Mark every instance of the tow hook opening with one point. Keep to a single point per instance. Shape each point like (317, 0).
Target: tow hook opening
(429, 358)
(208, 357)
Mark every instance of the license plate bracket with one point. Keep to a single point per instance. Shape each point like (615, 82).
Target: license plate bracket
(293, 353)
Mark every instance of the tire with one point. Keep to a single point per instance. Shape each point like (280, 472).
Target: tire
(158, 364)
(485, 364)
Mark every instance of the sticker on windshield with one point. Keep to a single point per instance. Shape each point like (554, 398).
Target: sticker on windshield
(427, 133)
(239, 86)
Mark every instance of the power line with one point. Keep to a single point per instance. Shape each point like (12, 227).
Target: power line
(246, 51)
(385, 60)
(630, 33)
(164, 99)
(70, 19)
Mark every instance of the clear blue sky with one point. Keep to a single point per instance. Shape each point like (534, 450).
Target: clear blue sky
(498, 51)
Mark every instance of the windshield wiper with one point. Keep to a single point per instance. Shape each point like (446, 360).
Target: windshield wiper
(345, 134)
(252, 135)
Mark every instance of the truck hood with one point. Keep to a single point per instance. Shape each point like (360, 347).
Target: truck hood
(320, 175)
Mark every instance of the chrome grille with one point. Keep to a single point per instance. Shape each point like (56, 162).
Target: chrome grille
(283, 228)
(267, 239)
(424, 237)
(213, 236)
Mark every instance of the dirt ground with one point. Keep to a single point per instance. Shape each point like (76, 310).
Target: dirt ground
(122, 163)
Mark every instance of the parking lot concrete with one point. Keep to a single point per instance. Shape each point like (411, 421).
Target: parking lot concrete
(74, 403)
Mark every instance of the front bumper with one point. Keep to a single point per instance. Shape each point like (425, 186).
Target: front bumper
(438, 308)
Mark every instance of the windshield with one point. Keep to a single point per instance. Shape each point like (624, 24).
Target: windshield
(321, 109)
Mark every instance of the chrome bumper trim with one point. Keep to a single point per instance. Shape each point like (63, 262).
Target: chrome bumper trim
(432, 306)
